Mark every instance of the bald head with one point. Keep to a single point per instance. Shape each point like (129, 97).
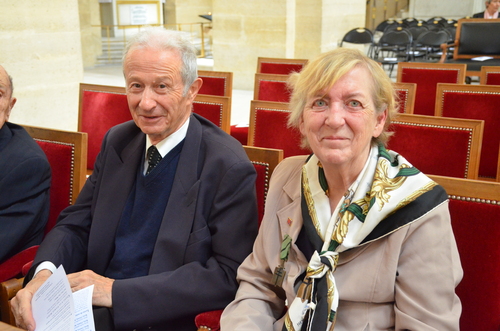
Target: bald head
(6, 99)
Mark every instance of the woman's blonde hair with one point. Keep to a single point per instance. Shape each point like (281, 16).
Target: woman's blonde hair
(323, 72)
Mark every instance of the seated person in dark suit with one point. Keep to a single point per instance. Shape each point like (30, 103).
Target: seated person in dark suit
(491, 10)
(159, 243)
(24, 181)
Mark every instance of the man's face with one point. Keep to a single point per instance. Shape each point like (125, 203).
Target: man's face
(6, 99)
(155, 91)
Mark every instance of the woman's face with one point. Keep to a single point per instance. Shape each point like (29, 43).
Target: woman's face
(339, 123)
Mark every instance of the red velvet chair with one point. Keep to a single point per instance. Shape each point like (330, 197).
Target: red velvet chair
(271, 87)
(426, 76)
(264, 161)
(474, 209)
(406, 96)
(479, 102)
(67, 154)
(101, 107)
(438, 145)
(216, 83)
(268, 128)
(216, 109)
(490, 75)
(280, 66)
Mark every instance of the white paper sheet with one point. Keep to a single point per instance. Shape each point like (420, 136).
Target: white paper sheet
(55, 308)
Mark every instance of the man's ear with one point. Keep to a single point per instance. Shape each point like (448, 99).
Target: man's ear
(194, 88)
(12, 102)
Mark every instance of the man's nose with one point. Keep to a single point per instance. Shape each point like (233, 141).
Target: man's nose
(148, 99)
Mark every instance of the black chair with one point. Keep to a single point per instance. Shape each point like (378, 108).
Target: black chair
(383, 25)
(410, 22)
(394, 46)
(430, 42)
(360, 36)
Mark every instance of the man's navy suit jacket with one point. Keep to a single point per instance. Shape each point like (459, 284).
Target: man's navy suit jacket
(24, 191)
(207, 230)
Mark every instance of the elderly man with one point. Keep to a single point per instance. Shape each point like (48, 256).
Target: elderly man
(491, 10)
(24, 181)
(169, 212)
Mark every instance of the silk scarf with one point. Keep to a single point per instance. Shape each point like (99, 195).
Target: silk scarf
(387, 183)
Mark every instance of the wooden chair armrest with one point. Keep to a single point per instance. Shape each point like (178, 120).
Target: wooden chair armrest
(8, 290)
(7, 327)
(444, 48)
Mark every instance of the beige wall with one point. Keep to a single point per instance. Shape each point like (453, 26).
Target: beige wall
(188, 11)
(41, 49)
(245, 30)
(91, 36)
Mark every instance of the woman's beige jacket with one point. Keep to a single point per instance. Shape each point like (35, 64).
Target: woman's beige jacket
(403, 281)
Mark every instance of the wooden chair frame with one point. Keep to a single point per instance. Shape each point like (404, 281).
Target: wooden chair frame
(267, 157)
(226, 75)
(462, 88)
(485, 71)
(446, 48)
(8, 290)
(261, 60)
(270, 157)
(474, 127)
(76, 139)
(461, 68)
(475, 191)
(442, 87)
(411, 90)
(225, 102)
(8, 327)
(269, 78)
(95, 88)
(276, 106)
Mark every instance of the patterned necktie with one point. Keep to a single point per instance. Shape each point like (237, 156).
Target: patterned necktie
(154, 158)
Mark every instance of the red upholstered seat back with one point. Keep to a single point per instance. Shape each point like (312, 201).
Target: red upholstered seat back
(403, 99)
(280, 68)
(261, 186)
(271, 131)
(472, 101)
(100, 111)
(61, 158)
(493, 78)
(273, 91)
(426, 80)
(428, 149)
(211, 111)
(477, 228)
(213, 86)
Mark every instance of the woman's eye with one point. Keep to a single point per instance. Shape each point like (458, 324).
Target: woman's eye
(354, 103)
(319, 103)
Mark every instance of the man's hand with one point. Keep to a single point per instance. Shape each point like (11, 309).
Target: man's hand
(21, 303)
(102, 286)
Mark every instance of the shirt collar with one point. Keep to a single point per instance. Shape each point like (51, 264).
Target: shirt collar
(167, 144)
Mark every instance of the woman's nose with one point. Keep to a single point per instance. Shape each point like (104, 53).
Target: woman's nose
(335, 115)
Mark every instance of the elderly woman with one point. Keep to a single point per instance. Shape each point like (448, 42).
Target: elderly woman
(353, 236)
(491, 11)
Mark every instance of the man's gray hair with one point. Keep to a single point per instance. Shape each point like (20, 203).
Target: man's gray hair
(162, 39)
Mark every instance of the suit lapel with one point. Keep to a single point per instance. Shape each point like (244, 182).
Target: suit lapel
(116, 180)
